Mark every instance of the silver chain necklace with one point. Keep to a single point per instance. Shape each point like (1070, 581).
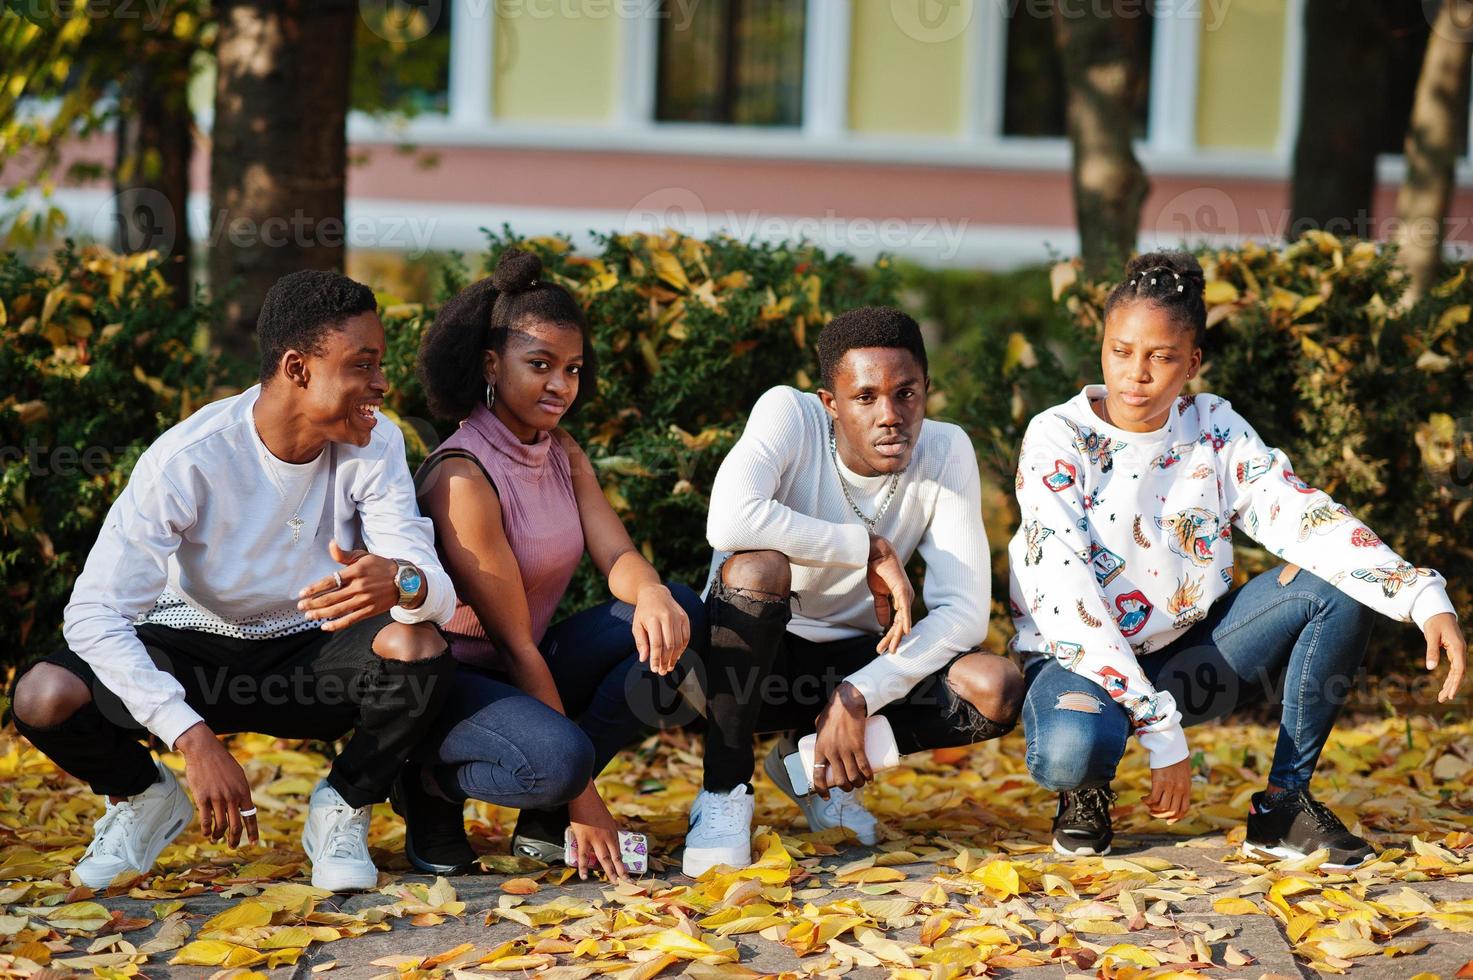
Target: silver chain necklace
(295, 523)
(869, 522)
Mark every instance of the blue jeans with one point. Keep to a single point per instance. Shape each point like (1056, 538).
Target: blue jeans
(1299, 644)
(496, 743)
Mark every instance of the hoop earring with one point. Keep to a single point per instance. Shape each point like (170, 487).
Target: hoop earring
(490, 396)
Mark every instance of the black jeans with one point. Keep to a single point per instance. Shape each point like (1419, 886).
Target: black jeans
(315, 684)
(757, 677)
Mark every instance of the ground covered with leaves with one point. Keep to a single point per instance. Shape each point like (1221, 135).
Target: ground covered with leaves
(963, 882)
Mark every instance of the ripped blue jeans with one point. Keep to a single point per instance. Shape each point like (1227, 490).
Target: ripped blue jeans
(1294, 640)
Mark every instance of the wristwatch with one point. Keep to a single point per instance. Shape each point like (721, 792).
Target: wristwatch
(410, 582)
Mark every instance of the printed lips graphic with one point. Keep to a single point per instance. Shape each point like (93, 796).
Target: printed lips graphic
(1134, 610)
(1062, 478)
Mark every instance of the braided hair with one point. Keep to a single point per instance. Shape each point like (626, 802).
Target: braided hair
(482, 317)
(1172, 281)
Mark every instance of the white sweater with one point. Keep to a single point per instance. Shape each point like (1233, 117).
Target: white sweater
(1126, 541)
(779, 490)
(198, 539)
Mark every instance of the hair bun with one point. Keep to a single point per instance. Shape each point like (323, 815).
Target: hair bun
(1155, 273)
(516, 271)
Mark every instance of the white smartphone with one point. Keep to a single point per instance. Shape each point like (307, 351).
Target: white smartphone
(634, 851)
(879, 748)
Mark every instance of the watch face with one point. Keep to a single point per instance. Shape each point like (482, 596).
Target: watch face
(409, 580)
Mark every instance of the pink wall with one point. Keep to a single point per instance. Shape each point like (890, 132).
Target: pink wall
(601, 180)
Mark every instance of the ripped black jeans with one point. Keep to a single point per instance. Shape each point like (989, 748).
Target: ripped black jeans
(314, 684)
(759, 678)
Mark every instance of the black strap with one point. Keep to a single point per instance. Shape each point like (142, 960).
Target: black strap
(436, 458)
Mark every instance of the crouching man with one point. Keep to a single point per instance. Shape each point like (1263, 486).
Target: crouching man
(814, 514)
(266, 570)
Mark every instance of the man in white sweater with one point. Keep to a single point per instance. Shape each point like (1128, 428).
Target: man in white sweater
(814, 514)
(265, 569)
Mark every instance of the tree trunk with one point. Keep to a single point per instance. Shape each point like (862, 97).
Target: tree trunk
(1435, 137)
(151, 177)
(1346, 69)
(278, 163)
(1101, 82)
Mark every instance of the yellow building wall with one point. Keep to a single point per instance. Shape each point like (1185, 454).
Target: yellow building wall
(907, 72)
(550, 67)
(1240, 74)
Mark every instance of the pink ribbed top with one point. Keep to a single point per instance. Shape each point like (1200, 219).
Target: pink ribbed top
(539, 513)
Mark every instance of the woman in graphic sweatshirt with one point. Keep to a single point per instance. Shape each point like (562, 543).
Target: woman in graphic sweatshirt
(1121, 584)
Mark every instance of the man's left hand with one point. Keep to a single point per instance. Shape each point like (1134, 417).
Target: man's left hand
(838, 758)
(367, 589)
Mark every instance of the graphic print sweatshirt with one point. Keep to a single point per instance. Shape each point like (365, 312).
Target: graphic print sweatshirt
(1126, 541)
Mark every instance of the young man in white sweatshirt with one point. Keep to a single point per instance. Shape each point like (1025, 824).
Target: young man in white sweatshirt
(265, 569)
(813, 516)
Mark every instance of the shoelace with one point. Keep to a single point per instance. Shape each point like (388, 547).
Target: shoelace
(1323, 817)
(348, 834)
(840, 801)
(1088, 803)
(725, 812)
(112, 829)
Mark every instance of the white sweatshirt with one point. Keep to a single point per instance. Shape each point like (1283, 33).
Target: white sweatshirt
(199, 539)
(1126, 541)
(778, 489)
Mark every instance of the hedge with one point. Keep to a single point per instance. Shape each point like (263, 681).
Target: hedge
(1308, 341)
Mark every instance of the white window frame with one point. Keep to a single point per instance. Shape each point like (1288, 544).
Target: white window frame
(1170, 148)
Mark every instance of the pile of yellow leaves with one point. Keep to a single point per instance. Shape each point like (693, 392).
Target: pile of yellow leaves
(964, 868)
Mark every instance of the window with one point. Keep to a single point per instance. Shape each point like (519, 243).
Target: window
(401, 57)
(738, 62)
(1033, 92)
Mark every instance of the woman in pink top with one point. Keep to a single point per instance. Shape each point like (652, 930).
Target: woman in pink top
(515, 504)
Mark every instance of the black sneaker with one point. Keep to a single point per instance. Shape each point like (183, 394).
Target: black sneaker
(1082, 826)
(434, 827)
(1285, 826)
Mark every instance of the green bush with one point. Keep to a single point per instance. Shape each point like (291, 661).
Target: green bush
(94, 364)
(1370, 401)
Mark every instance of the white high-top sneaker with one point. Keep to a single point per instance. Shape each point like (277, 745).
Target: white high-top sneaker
(336, 841)
(841, 809)
(720, 831)
(131, 835)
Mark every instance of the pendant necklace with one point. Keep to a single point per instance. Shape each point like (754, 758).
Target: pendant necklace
(295, 523)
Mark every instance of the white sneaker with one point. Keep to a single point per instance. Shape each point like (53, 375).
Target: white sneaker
(841, 809)
(720, 831)
(132, 834)
(336, 841)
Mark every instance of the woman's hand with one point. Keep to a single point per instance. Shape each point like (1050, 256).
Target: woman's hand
(595, 836)
(661, 628)
(1171, 791)
(1442, 633)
